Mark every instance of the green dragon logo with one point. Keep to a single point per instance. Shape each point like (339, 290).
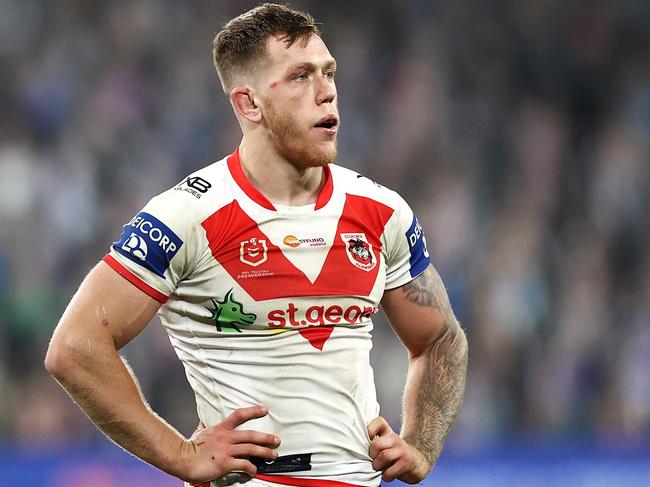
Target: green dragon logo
(229, 313)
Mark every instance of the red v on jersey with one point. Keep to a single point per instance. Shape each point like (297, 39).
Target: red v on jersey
(317, 335)
(263, 271)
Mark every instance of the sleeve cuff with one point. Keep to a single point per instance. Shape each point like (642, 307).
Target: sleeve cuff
(404, 279)
(135, 280)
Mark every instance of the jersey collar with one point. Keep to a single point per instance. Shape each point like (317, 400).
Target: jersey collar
(234, 165)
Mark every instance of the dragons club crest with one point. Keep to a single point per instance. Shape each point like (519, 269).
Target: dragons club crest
(359, 250)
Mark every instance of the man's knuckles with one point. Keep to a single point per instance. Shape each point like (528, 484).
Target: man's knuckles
(392, 472)
(238, 416)
(378, 426)
(379, 462)
(247, 449)
(378, 444)
(385, 458)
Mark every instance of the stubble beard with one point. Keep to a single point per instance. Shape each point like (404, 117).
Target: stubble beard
(290, 143)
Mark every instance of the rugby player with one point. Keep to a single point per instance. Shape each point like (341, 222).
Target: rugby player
(265, 268)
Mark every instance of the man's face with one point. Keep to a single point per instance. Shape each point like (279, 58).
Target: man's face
(298, 101)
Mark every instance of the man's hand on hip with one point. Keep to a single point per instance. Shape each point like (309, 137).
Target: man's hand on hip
(392, 455)
(215, 451)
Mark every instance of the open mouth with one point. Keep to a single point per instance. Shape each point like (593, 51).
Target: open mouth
(328, 122)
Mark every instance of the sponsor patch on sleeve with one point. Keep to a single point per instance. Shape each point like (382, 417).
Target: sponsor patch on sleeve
(148, 242)
(418, 247)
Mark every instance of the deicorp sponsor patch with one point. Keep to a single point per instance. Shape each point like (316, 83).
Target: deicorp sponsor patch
(149, 242)
(418, 246)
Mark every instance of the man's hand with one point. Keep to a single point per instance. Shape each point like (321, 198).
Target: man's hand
(218, 450)
(394, 456)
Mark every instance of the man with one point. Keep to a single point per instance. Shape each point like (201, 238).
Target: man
(268, 266)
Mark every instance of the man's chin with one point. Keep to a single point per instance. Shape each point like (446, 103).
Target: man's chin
(323, 158)
(327, 153)
(316, 157)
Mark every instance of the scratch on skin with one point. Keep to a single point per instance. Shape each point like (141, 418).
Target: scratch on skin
(274, 84)
(103, 312)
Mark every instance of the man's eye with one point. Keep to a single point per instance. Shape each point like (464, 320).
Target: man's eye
(302, 77)
(330, 74)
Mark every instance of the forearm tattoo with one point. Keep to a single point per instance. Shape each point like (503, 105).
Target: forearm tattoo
(442, 383)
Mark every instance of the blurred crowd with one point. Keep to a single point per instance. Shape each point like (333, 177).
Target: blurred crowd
(519, 131)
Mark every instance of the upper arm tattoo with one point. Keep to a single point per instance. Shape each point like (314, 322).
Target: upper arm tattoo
(428, 290)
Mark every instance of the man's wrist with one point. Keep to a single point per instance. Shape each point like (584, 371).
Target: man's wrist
(425, 462)
(182, 462)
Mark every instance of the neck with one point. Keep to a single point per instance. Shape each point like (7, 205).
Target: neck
(276, 178)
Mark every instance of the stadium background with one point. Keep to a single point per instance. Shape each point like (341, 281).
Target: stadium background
(519, 131)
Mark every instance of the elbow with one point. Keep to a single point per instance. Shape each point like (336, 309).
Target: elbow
(458, 344)
(463, 343)
(54, 359)
(71, 354)
(452, 340)
(59, 359)
(458, 352)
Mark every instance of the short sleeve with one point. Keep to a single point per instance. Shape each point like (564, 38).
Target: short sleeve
(154, 250)
(406, 255)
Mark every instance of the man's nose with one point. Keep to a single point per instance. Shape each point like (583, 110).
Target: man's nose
(326, 90)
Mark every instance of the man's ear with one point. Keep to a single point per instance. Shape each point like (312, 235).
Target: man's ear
(243, 100)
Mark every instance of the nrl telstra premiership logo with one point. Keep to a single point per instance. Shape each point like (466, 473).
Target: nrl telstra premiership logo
(253, 251)
(229, 313)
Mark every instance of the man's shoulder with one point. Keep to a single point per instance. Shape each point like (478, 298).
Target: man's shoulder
(204, 184)
(358, 184)
(198, 194)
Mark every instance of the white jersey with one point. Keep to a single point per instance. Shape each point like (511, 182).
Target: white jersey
(268, 304)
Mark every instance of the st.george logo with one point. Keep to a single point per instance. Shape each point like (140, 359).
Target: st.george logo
(253, 251)
(136, 246)
(359, 250)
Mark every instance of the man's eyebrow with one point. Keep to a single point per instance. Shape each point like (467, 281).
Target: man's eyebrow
(308, 66)
(331, 63)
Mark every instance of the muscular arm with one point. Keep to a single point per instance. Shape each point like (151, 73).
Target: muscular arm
(422, 317)
(104, 315)
(83, 356)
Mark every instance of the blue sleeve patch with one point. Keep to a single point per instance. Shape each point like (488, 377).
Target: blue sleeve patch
(148, 242)
(418, 246)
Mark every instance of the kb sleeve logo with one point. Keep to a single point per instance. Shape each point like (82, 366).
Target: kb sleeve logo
(196, 186)
(418, 247)
(148, 242)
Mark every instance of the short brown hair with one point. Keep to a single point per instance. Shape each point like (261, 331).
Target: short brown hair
(242, 41)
